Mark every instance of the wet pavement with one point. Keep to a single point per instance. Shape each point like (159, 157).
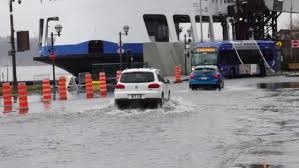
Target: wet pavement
(242, 126)
(281, 85)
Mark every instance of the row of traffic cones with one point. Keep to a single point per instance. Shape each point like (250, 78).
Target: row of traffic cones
(22, 94)
(89, 86)
(47, 97)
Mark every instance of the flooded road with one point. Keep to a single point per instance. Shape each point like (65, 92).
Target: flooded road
(240, 126)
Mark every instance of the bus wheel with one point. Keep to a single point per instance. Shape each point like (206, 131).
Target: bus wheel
(232, 73)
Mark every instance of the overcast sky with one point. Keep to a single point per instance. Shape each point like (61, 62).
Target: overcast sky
(27, 14)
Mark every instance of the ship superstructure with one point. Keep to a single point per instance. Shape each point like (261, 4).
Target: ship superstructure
(91, 29)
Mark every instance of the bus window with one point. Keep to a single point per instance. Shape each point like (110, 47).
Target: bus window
(247, 56)
(202, 58)
(228, 57)
(250, 56)
(268, 54)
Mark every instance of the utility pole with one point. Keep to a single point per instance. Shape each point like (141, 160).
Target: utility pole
(120, 52)
(53, 57)
(291, 27)
(185, 52)
(200, 15)
(12, 42)
(292, 35)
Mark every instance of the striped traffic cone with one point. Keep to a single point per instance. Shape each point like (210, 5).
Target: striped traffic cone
(88, 86)
(62, 89)
(46, 90)
(178, 74)
(103, 84)
(23, 98)
(7, 98)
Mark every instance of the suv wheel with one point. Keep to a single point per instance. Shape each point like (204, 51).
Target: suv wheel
(161, 101)
(120, 104)
(232, 73)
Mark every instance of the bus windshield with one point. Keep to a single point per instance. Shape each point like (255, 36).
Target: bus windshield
(204, 59)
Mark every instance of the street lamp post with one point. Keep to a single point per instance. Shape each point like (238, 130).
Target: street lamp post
(12, 42)
(189, 32)
(120, 50)
(58, 29)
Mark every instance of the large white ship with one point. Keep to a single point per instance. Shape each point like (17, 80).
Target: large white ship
(91, 29)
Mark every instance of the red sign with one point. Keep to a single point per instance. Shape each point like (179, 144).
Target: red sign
(295, 43)
(52, 57)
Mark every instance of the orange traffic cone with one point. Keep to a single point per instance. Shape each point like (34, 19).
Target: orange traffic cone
(7, 98)
(23, 98)
(103, 84)
(46, 90)
(88, 86)
(178, 74)
(62, 89)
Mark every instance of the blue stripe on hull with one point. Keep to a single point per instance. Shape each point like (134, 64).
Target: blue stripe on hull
(109, 48)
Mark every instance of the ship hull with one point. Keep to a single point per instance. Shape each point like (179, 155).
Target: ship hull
(76, 64)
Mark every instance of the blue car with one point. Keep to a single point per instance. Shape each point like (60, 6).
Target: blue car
(206, 76)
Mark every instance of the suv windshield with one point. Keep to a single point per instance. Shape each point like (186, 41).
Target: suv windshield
(137, 77)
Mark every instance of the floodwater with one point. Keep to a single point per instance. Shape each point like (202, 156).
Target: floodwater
(29, 73)
(240, 126)
(281, 85)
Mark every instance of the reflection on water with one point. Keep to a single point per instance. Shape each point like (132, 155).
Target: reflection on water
(259, 166)
(282, 85)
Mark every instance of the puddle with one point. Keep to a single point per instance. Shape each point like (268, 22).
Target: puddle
(275, 86)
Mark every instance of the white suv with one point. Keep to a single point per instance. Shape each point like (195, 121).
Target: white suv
(142, 85)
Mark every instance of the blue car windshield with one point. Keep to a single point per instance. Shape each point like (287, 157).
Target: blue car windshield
(204, 59)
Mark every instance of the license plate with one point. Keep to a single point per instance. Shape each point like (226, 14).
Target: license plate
(136, 96)
(204, 78)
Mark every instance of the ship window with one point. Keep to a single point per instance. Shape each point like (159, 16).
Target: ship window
(41, 32)
(204, 19)
(182, 24)
(95, 46)
(205, 26)
(157, 27)
(220, 24)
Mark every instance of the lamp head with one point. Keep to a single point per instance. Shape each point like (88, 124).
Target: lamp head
(58, 29)
(126, 29)
(53, 19)
(189, 31)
